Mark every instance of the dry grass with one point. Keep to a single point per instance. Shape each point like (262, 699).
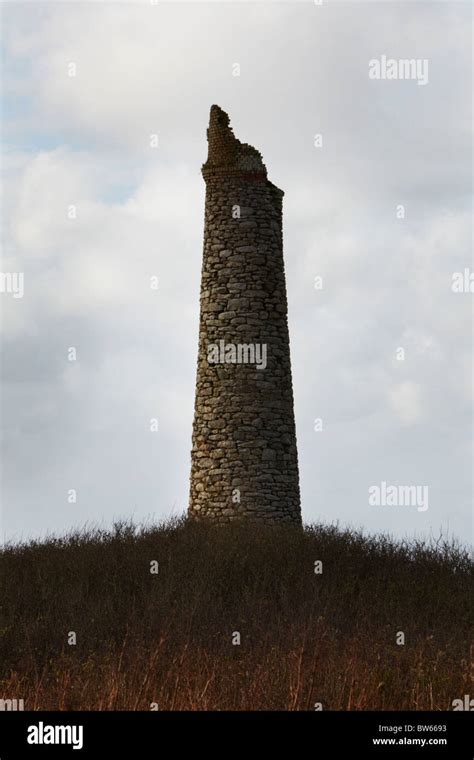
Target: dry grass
(167, 638)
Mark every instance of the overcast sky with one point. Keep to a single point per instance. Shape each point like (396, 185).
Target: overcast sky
(84, 141)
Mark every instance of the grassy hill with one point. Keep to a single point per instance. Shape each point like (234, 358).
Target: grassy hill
(169, 638)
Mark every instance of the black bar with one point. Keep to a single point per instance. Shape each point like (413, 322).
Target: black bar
(119, 734)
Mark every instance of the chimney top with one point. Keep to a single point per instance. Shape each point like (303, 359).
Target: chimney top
(226, 154)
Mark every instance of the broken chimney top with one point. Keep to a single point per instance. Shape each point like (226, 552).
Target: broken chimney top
(226, 154)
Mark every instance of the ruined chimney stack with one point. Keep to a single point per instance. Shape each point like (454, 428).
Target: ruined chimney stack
(244, 457)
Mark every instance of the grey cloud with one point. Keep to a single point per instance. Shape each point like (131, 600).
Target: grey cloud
(386, 281)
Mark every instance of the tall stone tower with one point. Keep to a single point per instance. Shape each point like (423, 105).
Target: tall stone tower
(244, 458)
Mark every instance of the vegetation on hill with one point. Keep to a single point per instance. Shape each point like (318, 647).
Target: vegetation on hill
(311, 635)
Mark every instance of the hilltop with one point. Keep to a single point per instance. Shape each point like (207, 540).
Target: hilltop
(158, 613)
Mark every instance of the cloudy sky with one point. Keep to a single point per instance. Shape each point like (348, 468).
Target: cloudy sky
(91, 212)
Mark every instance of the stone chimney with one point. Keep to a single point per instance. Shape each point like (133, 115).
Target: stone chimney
(244, 457)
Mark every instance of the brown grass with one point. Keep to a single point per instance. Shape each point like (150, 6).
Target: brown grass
(167, 638)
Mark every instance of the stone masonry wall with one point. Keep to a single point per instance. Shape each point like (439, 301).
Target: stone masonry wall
(244, 457)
